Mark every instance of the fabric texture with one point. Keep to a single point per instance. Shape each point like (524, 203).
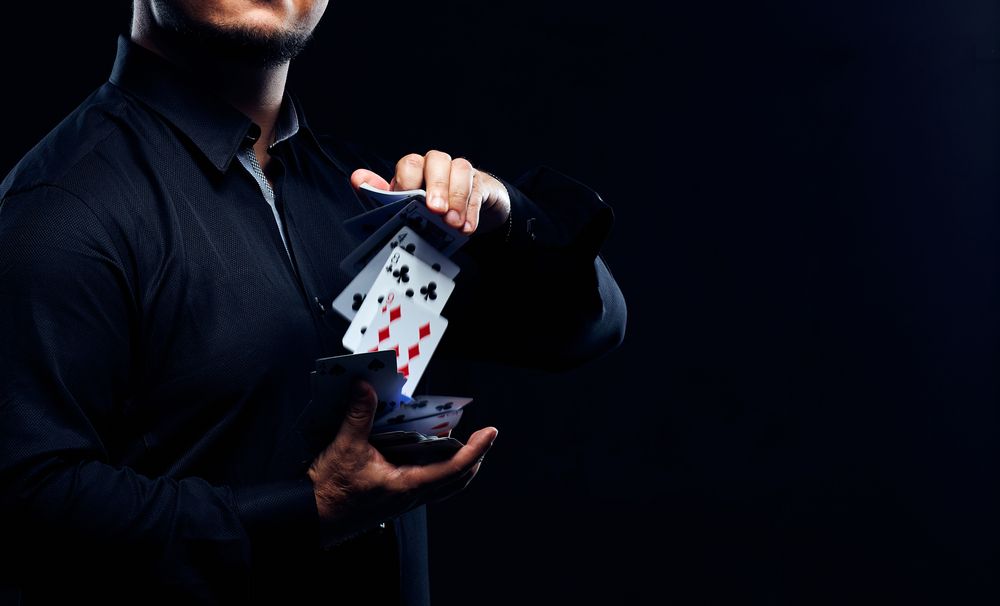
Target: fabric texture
(158, 339)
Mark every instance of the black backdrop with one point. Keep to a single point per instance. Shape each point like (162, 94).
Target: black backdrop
(807, 194)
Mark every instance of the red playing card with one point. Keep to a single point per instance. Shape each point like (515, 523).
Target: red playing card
(408, 328)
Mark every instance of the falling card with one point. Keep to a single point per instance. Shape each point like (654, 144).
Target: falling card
(422, 221)
(410, 330)
(365, 225)
(349, 301)
(412, 279)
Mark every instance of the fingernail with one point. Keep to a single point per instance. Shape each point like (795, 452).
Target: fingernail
(467, 226)
(438, 203)
(452, 217)
(359, 391)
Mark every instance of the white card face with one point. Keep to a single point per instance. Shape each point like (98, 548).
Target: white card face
(411, 330)
(349, 301)
(417, 217)
(412, 278)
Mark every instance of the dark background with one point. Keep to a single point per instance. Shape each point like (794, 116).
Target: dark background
(807, 200)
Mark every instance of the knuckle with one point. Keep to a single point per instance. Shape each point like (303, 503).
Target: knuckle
(438, 155)
(475, 200)
(462, 164)
(459, 193)
(357, 415)
(410, 162)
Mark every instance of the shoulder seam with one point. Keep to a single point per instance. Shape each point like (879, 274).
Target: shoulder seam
(107, 233)
(111, 110)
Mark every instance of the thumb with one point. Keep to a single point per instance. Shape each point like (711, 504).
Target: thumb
(363, 175)
(361, 403)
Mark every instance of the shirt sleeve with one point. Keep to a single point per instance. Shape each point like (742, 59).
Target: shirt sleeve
(68, 509)
(543, 297)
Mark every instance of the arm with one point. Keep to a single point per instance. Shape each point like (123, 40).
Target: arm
(66, 503)
(72, 507)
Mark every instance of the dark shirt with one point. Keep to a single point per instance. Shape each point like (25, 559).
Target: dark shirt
(157, 341)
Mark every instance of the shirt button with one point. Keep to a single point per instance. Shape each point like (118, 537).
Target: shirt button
(253, 133)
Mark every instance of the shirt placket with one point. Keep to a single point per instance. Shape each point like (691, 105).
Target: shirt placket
(248, 158)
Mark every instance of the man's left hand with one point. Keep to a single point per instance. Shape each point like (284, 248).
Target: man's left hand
(468, 198)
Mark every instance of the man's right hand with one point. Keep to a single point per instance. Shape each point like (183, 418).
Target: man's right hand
(356, 488)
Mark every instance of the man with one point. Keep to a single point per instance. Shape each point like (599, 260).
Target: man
(167, 259)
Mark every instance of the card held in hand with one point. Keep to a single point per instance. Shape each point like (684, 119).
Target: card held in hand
(418, 218)
(331, 394)
(418, 408)
(365, 225)
(414, 448)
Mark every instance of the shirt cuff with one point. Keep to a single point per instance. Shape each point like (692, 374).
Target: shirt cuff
(281, 514)
(551, 210)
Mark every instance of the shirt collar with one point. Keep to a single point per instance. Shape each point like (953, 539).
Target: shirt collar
(216, 127)
(288, 121)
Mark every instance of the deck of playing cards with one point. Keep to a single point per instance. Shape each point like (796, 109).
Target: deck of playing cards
(402, 280)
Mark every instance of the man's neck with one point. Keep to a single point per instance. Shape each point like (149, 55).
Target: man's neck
(255, 91)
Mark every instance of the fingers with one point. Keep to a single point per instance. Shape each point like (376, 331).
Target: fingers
(475, 203)
(453, 186)
(409, 173)
(455, 487)
(458, 192)
(437, 179)
(437, 475)
(442, 493)
(363, 175)
(358, 416)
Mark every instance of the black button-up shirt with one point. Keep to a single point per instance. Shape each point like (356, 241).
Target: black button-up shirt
(157, 341)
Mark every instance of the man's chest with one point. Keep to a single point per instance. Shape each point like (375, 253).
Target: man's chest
(221, 313)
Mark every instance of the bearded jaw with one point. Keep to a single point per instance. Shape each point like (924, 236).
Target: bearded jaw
(245, 43)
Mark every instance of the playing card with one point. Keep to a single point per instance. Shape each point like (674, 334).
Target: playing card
(417, 217)
(333, 380)
(411, 448)
(409, 329)
(395, 438)
(363, 226)
(418, 408)
(349, 301)
(432, 228)
(412, 279)
(381, 197)
(429, 426)
(394, 405)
